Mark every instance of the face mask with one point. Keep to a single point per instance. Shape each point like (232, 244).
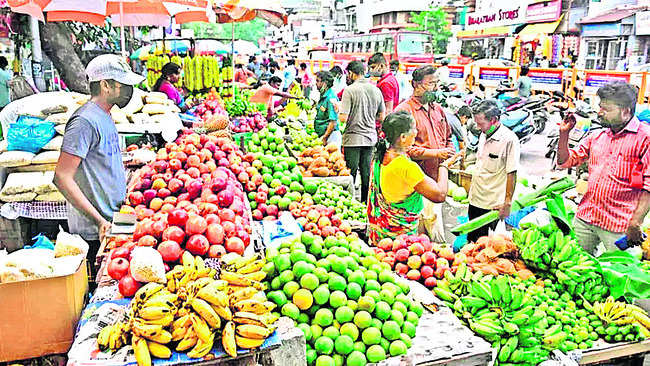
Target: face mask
(491, 130)
(375, 73)
(428, 97)
(126, 92)
(348, 80)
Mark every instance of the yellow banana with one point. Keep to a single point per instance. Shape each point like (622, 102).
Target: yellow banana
(187, 260)
(243, 294)
(242, 317)
(165, 321)
(229, 259)
(199, 264)
(252, 306)
(224, 312)
(246, 260)
(146, 330)
(254, 266)
(206, 312)
(253, 331)
(228, 339)
(188, 341)
(163, 337)
(144, 293)
(213, 296)
(159, 350)
(237, 279)
(201, 348)
(248, 343)
(256, 276)
(182, 322)
(154, 312)
(179, 333)
(201, 327)
(104, 337)
(141, 351)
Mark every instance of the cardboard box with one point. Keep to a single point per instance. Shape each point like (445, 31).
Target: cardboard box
(39, 317)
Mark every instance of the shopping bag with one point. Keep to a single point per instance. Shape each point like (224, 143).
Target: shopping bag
(29, 134)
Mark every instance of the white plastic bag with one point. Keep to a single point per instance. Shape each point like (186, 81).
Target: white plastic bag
(501, 230)
(147, 265)
(68, 244)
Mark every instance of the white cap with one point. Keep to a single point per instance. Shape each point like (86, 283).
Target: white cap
(112, 67)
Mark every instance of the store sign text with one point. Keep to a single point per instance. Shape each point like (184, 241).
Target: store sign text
(502, 15)
(543, 12)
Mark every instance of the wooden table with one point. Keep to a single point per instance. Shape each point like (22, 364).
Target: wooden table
(619, 350)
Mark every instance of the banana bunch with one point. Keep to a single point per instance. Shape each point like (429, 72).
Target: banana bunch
(620, 313)
(574, 268)
(189, 270)
(248, 266)
(456, 285)
(113, 337)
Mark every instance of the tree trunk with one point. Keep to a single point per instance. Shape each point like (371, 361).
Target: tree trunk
(56, 43)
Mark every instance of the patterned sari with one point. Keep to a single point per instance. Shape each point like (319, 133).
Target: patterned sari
(388, 220)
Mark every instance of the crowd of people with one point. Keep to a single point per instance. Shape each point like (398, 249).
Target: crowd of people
(398, 143)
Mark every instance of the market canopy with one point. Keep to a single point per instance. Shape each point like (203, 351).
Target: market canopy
(210, 46)
(143, 53)
(540, 28)
(231, 11)
(244, 47)
(126, 12)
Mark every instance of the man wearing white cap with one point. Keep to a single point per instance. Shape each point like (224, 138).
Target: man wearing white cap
(90, 172)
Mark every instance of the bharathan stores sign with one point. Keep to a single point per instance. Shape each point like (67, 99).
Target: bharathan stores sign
(497, 16)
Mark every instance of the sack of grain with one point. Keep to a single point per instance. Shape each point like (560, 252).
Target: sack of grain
(46, 157)
(68, 244)
(50, 197)
(60, 129)
(46, 184)
(54, 144)
(22, 183)
(20, 197)
(59, 118)
(15, 158)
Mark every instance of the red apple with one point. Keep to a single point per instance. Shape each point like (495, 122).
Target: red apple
(401, 268)
(413, 274)
(402, 255)
(428, 258)
(426, 271)
(416, 249)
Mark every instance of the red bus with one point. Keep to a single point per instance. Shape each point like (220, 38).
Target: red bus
(405, 46)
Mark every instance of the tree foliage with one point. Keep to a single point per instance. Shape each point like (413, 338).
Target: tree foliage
(249, 31)
(435, 22)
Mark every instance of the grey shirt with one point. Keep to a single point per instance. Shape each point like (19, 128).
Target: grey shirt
(91, 135)
(361, 102)
(524, 84)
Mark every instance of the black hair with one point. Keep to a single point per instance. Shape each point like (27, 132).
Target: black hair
(3, 62)
(377, 59)
(489, 108)
(275, 79)
(251, 59)
(622, 94)
(95, 88)
(239, 66)
(524, 70)
(356, 67)
(274, 65)
(464, 111)
(303, 66)
(326, 77)
(291, 62)
(422, 71)
(394, 63)
(394, 126)
(169, 69)
(336, 71)
(444, 62)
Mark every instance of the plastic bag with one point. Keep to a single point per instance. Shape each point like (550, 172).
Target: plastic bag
(68, 244)
(501, 230)
(147, 265)
(30, 134)
(41, 242)
(539, 218)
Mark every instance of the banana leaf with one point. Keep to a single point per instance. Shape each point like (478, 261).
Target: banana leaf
(556, 187)
(622, 272)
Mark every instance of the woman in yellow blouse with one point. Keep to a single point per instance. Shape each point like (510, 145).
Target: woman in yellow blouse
(398, 183)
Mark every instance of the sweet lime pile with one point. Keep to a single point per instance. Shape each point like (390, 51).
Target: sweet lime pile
(351, 307)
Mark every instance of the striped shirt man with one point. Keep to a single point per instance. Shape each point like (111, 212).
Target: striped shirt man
(613, 193)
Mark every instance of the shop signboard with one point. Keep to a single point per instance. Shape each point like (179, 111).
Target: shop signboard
(596, 80)
(543, 12)
(507, 14)
(601, 30)
(457, 72)
(642, 22)
(546, 79)
(493, 74)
